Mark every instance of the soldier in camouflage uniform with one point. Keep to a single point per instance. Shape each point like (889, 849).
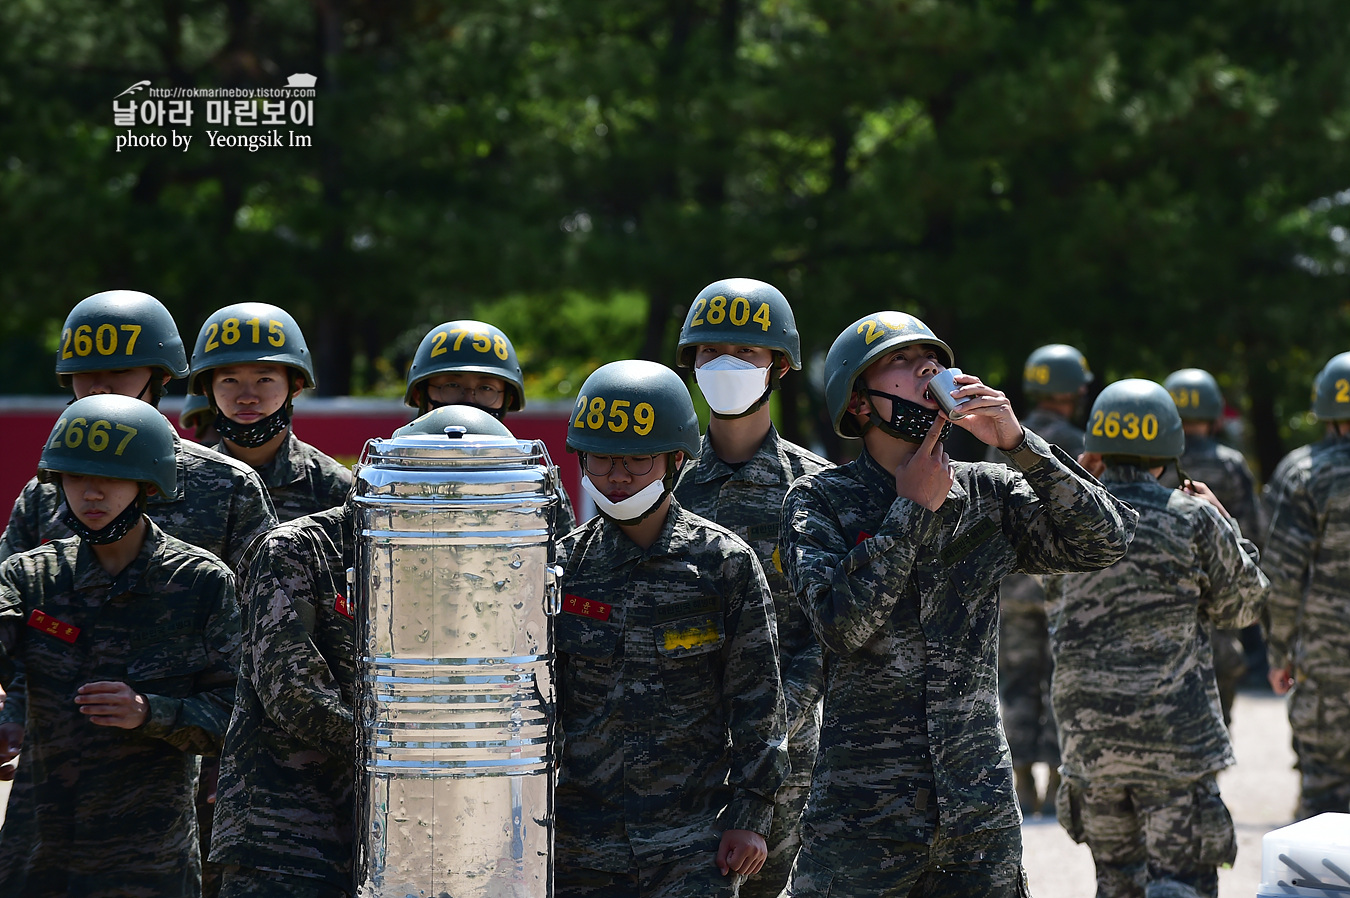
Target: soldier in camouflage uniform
(283, 823)
(251, 361)
(896, 558)
(669, 693)
(1307, 557)
(126, 343)
(1056, 378)
(473, 363)
(1140, 724)
(743, 472)
(1226, 472)
(124, 670)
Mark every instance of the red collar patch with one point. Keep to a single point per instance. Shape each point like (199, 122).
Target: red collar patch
(862, 536)
(45, 623)
(586, 607)
(343, 606)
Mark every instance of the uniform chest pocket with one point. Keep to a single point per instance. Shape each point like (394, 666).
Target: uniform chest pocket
(581, 637)
(168, 667)
(690, 653)
(980, 563)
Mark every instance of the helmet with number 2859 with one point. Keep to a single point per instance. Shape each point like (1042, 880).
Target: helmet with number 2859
(633, 407)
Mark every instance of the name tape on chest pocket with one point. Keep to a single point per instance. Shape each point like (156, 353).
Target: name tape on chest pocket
(45, 623)
(963, 545)
(586, 607)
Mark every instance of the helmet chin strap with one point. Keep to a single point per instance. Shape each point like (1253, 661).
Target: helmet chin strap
(432, 405)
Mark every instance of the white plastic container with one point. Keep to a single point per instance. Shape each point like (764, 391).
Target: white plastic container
(1309, 858)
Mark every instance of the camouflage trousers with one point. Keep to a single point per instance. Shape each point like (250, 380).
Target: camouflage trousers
(1157, 841)
(246, 882)
(692, 876)
(19, 832)
(985, 864)
(1024, 669)
(1319, 715)
(785, 834)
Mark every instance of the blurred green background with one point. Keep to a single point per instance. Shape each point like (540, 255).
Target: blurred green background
(1162, 184)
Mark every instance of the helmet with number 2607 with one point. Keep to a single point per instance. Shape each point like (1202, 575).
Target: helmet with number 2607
(119, 329)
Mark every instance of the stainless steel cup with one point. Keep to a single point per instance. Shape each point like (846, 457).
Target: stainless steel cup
(940, 388)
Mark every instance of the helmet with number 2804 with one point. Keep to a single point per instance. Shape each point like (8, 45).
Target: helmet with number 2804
(1137, 418)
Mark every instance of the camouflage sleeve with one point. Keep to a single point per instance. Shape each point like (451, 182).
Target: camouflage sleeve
(564, 515)
(1236, 588)
(252, 515)
(15, 708)
(21, 534)
(848, 591)
(290, 676)
(1247, 511)
(753, 697)
(1076, 524)
(197, 723)
(803, 683)
(1291, 540)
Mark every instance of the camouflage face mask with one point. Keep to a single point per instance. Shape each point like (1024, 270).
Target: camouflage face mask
(909, 420)
(251, 436)
(115, 529)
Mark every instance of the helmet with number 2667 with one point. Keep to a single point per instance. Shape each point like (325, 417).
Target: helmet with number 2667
(113, 436)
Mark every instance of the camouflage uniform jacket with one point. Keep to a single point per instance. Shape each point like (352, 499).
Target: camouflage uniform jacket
(1134, 689)
(221, 507)
(1225, 471)
(301, 480)
(669, 693)
(288, 769)
(904, 601)
(1021, 592)
(1307, 557)
(115, 806)
(748, 501)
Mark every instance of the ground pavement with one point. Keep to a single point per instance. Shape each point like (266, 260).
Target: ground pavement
(1260, 792)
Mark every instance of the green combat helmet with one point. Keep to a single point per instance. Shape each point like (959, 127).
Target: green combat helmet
(471, 346)
(634, 408)
(470, 421)
(249, 333)
(1054, 370)
(858, 346)
(1196, 393)
(119, 329)
(113, 436)
(196, 412)
(741, 311)
(1137, 418)
(1331, 392)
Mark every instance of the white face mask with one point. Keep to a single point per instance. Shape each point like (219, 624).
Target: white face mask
(731, 385)
(630, 510)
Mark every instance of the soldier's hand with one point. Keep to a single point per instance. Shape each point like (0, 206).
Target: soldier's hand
(1092, 463)
(112, 704)
(987, 413)
(741, 851)
(11, 740)
(1200, 491)
(927, 476)
(1281, 679)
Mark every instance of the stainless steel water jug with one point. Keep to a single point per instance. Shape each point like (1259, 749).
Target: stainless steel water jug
(456, 707)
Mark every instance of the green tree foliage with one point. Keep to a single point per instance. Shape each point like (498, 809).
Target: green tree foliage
(1161, 184)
